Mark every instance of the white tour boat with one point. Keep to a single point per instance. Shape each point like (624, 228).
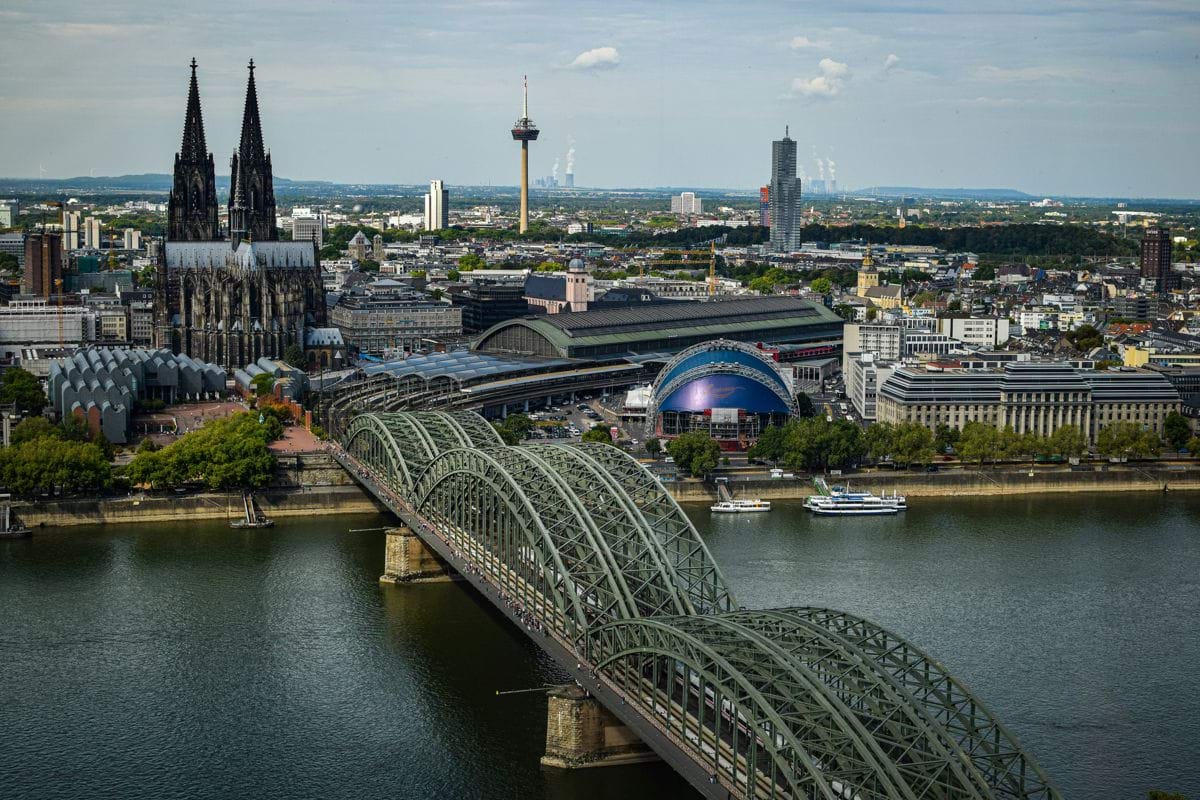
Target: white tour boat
(841, 501)
(740, 506)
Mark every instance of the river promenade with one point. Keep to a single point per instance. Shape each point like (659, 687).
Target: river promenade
(313, 483)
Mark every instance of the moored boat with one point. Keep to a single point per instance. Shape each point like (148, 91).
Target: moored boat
(841, 501)
(740, 506)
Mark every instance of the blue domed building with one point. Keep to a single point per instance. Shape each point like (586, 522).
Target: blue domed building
(729, 390)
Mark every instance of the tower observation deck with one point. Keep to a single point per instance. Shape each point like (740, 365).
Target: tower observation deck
(524, 130)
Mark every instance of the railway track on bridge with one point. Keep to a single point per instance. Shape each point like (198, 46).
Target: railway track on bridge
(582, 548)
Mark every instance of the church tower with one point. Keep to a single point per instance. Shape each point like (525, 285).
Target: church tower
(251, 189)
(192, 206)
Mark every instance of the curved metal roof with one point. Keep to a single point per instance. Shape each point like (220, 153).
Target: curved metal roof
(723, 391)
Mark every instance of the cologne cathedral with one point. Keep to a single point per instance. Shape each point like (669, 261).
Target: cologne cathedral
(231, 301)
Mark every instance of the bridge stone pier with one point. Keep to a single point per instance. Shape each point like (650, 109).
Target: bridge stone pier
(408, 560)
(581, 548)
(580, 732)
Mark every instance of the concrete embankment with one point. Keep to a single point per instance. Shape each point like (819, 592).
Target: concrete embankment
(282, 502)
(959, 483)
(305, 485)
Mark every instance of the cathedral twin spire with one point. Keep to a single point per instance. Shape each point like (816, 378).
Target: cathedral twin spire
(192, 207)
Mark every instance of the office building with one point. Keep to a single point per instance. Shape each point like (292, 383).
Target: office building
(14, 245)
(132, 239)
(36, 321)
(9, 211)
(487, 303)
(43, 264)
(1031, 397)
(375, 322)
(309, 228)
(785, 196)
(72, 230)
(437, 207)
(1156, 259)
(984, 332)
(686, 203)
(864, 374)
(764, 206)
(92, 233)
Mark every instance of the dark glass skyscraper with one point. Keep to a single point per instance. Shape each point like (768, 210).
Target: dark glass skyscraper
(785, 196)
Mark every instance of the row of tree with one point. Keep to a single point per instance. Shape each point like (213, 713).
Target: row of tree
(43, 457)
(229, 453)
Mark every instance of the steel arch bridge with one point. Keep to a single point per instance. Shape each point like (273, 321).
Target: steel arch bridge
(601, 562)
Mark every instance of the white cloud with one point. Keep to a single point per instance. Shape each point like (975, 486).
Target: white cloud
(828, 84)
(805, 43)
(597, 58)
(890, 62)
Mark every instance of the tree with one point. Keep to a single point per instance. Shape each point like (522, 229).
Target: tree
(1156, 794)
(979, 442)
(263, 384)
(1067, 440)
(293, 354)
(368, 265)
(229, 453)
(547, 266)
(845, 311)
(770, 444)
(74, 429)
(817, 444)
(8, 263)
(471, 262)
(598, 435)
(984, 272)
(453, 275)
(653, 446)
(514, 428)
(913, 444)
(822, 286)
(21, 387)
(1193, 445)
(804, 406)
(872, 313)
(880, 439)
(945, 438)
(1177, 431)
(1127, 440)
(696, 453)
(34, 428)
(46, 463)
(1085, 338)
(763, 285)
(418, 274)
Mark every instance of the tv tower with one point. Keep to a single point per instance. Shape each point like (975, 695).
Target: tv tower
(525, 131)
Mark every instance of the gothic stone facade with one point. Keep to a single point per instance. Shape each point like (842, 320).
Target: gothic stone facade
(232, 307)
(231, 302)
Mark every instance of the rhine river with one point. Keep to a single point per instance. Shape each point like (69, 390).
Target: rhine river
(192, 661)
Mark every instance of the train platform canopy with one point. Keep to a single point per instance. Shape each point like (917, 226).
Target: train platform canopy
(621, 332)
(463, 366)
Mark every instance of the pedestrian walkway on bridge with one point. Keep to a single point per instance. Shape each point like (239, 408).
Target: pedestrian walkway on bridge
(582, 547)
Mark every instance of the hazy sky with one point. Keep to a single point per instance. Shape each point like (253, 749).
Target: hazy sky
(1048, 96)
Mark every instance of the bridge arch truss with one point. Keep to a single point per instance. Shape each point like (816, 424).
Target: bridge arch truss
(788, 703)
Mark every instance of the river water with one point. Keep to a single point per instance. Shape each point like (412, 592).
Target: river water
(192, 661)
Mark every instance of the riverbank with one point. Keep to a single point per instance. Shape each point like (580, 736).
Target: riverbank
(963, 482)
(275, 503)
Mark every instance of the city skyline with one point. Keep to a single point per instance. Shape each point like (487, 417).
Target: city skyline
(1007, 96)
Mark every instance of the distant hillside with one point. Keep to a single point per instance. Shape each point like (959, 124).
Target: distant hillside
(947, 194)
(147, 182)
